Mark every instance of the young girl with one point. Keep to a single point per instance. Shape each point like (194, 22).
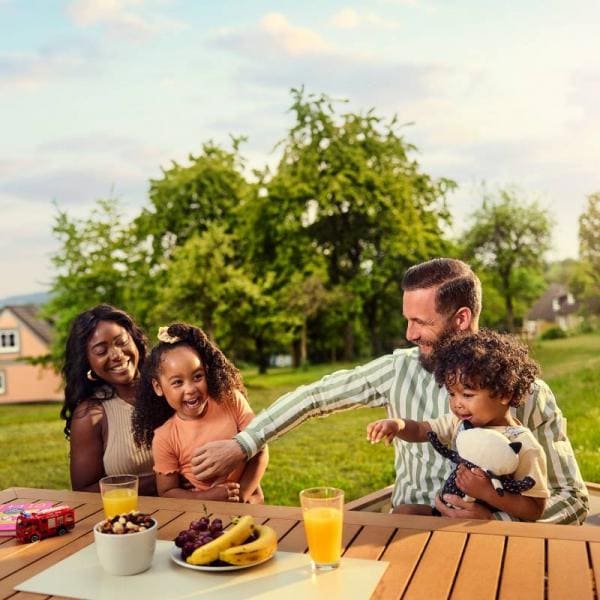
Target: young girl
(485, 374)
(191, 394)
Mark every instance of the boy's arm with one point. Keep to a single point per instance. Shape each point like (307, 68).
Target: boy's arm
(405, 429)
(253, 473)
(477, 484)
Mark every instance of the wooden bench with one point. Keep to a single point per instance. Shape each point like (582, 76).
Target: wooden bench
(380, 501)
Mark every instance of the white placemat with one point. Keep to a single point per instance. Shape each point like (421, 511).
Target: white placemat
(287, 575)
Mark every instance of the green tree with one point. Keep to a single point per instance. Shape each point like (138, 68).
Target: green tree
(92, 265)
(347, 195)
(509, 238)
(589, 250)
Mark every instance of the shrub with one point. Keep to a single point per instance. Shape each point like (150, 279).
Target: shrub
(554, 333)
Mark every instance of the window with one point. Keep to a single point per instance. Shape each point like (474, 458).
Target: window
(9, 340)
(2, 383)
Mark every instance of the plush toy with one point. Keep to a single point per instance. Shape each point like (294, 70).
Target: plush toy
(488, 450)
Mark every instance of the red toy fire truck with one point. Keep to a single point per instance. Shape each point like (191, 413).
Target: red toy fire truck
(34, 526)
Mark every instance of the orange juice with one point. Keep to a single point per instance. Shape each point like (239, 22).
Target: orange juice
(119, 501)
(323, 526)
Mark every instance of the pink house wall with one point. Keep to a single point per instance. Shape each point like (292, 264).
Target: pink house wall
(24, 382)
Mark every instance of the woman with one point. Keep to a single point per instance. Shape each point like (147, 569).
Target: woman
(104, 351)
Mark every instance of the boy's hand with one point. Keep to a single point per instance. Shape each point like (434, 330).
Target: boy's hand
(384, 429)
(474, 482)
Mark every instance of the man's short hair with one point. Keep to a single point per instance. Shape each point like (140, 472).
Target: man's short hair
(457, 285)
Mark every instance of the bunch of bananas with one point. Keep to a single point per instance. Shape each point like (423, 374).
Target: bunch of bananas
(244, 543)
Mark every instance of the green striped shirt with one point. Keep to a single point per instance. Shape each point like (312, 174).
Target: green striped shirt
(399, 383)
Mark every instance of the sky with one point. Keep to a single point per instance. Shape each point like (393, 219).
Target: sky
(97, 95)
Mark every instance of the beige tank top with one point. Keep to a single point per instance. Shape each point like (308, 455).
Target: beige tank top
(121, 454)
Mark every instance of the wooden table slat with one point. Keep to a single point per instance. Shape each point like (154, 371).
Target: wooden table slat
(435, 573)
(370, 543)
(523, 570)
(595, 558)
(482, 555)
(403, 553)
(569, 574)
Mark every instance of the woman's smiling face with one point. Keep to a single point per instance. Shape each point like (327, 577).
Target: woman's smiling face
(182, 381)
(112, 354)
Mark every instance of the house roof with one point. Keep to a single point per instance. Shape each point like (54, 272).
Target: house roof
(29, 314)
(553, 302)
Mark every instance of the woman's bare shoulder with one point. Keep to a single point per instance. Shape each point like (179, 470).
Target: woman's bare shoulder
(90, 409)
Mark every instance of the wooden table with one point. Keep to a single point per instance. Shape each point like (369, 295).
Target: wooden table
(429, 557)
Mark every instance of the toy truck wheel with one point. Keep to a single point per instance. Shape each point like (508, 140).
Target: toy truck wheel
(62, 530)
(34, 538)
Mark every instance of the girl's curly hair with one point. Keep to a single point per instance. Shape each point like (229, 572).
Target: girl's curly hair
(77, 386)
(222, 380)
(486, 360)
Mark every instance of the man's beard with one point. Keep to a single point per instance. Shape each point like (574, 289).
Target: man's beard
(428, 360)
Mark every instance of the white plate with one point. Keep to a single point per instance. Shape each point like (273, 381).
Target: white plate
(176, 558)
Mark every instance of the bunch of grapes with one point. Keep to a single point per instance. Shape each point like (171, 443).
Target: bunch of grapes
(200, 532)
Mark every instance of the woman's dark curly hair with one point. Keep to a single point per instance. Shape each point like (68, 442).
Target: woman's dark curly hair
(486, 360)
(222, 380)
(77, 386)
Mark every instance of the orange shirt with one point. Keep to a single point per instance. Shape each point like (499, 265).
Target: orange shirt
(174, 442)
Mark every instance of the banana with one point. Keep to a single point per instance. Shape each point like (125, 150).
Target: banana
(234, 536)
(260, 549)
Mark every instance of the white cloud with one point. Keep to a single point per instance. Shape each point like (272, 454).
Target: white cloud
(349, 18)
(121, 17)
(294, 40)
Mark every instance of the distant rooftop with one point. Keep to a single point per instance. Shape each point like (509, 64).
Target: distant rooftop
(29, 314)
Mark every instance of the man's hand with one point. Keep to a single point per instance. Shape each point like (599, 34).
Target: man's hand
(461, 509)
(384, 429)
(215, 460)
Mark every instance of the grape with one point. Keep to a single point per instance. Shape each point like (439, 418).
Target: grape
(181, 539)
(188, 549)
(216, 525)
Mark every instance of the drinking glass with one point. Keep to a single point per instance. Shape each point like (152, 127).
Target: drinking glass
(119, 494)
(323, 511)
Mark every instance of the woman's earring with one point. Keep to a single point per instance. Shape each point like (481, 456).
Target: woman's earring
(90, 375)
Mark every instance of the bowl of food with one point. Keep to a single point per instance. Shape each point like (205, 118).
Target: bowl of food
(125, 543)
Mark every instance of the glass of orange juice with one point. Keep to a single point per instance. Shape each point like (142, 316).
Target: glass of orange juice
(119, 494)
(323, 512)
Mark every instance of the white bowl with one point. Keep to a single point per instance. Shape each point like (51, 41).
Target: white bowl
(125, 554)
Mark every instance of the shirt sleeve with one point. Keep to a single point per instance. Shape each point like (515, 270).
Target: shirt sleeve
(366, 385)
(165, 458)
(444, 427)
(243, 413)
(568, 501)
(532, 463)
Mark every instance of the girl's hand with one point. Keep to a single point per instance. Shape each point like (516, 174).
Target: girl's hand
(384, 429)
(474, 482)
(228, 491)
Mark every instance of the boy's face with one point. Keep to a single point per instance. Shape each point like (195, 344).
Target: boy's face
(478, 406)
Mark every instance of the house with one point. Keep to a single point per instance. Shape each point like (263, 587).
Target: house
(555, 308)
(24, 334)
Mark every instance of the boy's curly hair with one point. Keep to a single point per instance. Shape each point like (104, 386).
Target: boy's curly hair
(222, 380)
(486, 360)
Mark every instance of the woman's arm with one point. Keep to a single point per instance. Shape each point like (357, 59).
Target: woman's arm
(87, 447)
(147, 485)
(253, 473)
(169, 486)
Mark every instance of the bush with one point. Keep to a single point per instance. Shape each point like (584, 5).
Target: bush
(554, 333)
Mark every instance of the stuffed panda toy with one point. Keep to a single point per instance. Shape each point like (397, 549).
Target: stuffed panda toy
(488, 450)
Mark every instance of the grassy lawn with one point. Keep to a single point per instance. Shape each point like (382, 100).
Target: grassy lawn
(330, 451)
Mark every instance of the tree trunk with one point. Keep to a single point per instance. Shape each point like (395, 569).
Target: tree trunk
(303, 345)
(349, 342)
(296, 354)
(510, 316)
(261, 356)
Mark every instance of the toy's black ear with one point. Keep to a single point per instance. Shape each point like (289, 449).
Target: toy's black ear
(467, 425)
(516, 446)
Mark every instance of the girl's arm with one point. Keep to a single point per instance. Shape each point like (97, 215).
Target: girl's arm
(253, 473)
(87, 447)
(476, 484)
(169, 487)
(405, 429)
